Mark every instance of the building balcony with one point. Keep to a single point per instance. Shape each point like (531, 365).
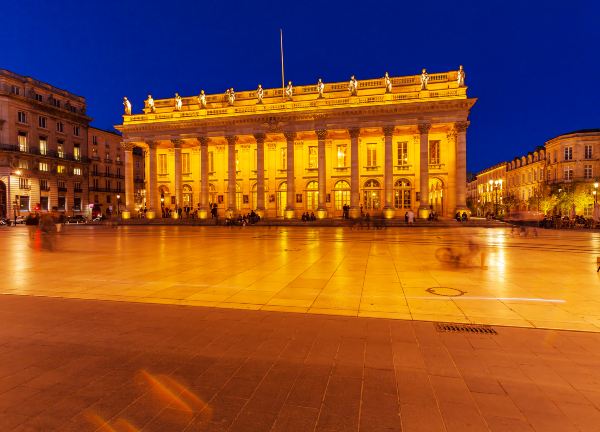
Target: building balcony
(62, 189)
(403, 167)
(372, 167)
(45, 188)
(436, 166)
(79, 190)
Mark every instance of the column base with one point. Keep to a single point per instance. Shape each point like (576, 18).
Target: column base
(389, 212)
(289, 214)
(423, 212)
(150, 214)
(461, 209)
(203, 213)
(260, 212)
(125, 214)
(321, 213)
(354, 212)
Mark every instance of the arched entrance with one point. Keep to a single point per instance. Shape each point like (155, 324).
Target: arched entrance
(402, 194)
(312, 195)
(165, 196)
(188, 200)
(281, 198)
(212, 194)
(372, 195)
(341, 194)
(436, 195)
(3, 200)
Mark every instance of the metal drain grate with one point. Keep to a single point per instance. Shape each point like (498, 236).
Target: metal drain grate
(465, 328)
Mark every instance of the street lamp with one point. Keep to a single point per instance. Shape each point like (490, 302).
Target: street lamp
(595, 193)
(118, 204)
(494, 185)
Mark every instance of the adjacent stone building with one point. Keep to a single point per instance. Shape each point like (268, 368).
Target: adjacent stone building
(381, 146)
(43, 147)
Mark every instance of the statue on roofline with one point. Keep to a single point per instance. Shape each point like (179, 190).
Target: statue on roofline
(202, 99)
(150, 103)
(178, 102)
(424, 79)
(353, 86)
(260, 93)
(388, 83)
(461, 76)
(127, 106)
(230, 94)
(320, 88)
(289, 91)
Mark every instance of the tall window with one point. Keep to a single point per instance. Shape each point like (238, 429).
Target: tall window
(587, 171)
(312, 195)
(162, 164)
(44, 185)
(60, 127)
(94, 139)
(434, 152)
(22, 117)
(569, 153)
(42, 122)
(60, 149)
(23, 183)
(76, 130)
(107, 170)
(185, 162)
(568, 172)
(43, 166)
(60, 169)
(341, 194)
(22, 140)
(313, 157)
(77, 171)
(402, 153)
(39, 98)
(371, 154)
(43, 145)
(77, 152)
(283, 158)
(588, 151)
(341, 155)
(402, 198)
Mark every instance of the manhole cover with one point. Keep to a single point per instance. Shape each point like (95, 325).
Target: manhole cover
(445, 291)
(465, 328)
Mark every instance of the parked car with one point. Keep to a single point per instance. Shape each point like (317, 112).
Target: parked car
(77, 219)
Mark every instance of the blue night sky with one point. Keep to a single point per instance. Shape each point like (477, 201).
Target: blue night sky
(532, 65)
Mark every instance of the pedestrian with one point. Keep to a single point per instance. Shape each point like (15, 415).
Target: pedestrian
(410, 217)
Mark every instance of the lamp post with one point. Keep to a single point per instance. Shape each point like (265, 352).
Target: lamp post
(494, 186)
(595, 194)
(118, 204)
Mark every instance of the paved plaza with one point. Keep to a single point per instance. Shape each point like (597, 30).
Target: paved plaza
(548, 281)
(298, 329)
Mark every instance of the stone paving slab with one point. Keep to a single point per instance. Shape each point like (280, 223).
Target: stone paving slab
(89, 365)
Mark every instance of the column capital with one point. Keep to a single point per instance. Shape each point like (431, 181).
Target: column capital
(203, 140)
(231, 139)
(177, 143)
(290, 135)
(151, 144)
(388, 130)
(260, 137)
(354, 132)
(424, 128)
(127, 146)
(321, 134)
(461, 126)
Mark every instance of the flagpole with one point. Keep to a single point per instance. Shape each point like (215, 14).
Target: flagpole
(282, 72)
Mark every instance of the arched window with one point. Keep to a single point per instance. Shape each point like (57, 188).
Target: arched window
(281, 198)
(341, 194)
(165, 196)
(436, 195)
(312, 195)
(212, 194)
(402, 194)
(372, 195)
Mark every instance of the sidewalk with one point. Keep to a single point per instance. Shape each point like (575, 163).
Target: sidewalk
(88, 365)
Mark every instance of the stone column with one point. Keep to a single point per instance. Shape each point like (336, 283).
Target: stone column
(291, 178)
(260, 173)
(231, 176)
(388, 173)
(152, 192)
(322, 165)
(204, 210)
(178, 191)
(461, 165)
(354, 174)
(423, 211)
(129, 189)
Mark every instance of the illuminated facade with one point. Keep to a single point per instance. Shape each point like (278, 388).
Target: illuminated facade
(487, 190)
(385, 149)
(43, 147)
(525, 178)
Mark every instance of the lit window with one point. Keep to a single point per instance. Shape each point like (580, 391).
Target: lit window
(60, 169)
(402, 153)
(22, 141)
(60, 149)
(43, 145)
(162, 163)
(372, 154)
(313, 157)
(76, 152)
(43, 166)
(341, 155)
(185, 162)
(77, 171)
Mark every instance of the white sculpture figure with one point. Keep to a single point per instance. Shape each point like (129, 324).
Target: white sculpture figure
(202, 99)
(260, 93)
(424, 79)
(127, 106)
(178, 102)
(353, 86)
(230, 96)
(388, 83)
(461, 76)
(289, 91)
(150, 103)
(320, 88)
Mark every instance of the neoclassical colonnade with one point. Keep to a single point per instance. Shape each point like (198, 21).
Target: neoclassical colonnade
(456, 133)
